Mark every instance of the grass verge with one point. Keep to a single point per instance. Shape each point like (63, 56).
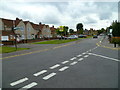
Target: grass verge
(59, 41)
(55, 41)
(5, 49)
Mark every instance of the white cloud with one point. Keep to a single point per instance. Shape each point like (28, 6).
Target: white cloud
(91, 14)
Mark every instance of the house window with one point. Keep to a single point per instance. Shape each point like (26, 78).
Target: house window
(21, 28)
(4, 38)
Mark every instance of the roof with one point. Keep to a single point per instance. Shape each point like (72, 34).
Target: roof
(7, 22)
(17, 21)
(35, 26)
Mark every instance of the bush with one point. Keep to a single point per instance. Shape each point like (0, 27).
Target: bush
(115, 40)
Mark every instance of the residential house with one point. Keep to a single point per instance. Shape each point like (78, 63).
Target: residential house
(31, 30)
(46, 32)
(86, 32)
(6, 29)
(93, 32)
(53, 31)
(21, 29)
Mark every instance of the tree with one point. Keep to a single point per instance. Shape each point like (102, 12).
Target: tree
(71, 31)
(65, 30)
(79, 28)
(116, 29)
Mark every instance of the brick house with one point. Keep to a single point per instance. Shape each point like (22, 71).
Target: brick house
(53, 31)
(46, 32)
(21, 31)
(6, 29)
(30, 30)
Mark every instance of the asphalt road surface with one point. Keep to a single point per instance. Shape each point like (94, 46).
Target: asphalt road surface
(78, 65)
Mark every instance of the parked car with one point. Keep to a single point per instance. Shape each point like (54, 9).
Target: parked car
(62, 37)
(82, 36)
(72, 37)
(95, 36)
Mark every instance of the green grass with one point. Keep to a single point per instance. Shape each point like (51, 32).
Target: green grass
(5, 49)
(59, 41)
(55, 41)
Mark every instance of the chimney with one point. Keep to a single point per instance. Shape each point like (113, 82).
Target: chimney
(17, 18)
(40, 23)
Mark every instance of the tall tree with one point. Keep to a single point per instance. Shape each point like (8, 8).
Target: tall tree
(79, 28)
(116, 29)
(71, 31)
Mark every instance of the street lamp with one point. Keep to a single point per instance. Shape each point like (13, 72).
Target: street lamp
(13, 30)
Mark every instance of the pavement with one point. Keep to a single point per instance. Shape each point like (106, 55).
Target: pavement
(75, 65)
(104, 42)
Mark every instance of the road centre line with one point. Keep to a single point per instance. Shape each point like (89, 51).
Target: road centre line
(73, 63)
(105, 57)
(65, 62)
(28, 86)
(18, 82)
(80, 59)
(49, 76)
(55, 66)
(39, 73)
(86, 55)
(73, 58)
(64, 68)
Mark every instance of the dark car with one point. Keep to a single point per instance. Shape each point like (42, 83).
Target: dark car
(82, 36)
(95, 36)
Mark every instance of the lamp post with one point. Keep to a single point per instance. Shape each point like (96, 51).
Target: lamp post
(15, 42)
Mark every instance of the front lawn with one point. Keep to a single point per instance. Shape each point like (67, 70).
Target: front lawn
(5, 49)
(55, 41)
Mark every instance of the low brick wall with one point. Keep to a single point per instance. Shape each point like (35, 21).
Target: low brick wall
(25, 41)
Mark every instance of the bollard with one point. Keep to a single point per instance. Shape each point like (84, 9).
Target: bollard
(114, 44)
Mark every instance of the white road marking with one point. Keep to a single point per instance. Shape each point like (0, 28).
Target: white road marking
(73, 58)
(49, 76)
(28, 86)
(87, 51)
(86, 55)
(105, 57)
(65, 62)
(83, 53)
(79, 55)
(18, 82)
(39, 73)
(73, 63)
(64, 68)
(80, 59)
(55, 66)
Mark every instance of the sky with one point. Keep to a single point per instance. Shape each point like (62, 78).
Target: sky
(92, 14)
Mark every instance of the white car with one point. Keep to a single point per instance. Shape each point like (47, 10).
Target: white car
(73, 37)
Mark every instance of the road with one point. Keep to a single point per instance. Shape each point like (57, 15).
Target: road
(78, 65)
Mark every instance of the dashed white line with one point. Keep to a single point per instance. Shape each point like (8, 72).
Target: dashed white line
(80, 59)
(105, 57)
(55, 66)
(73, 63)
(83, 53)
(39, 73)
(86, 55)
(49, 76)
(19, 81)
(64, 68)
(73, 58)
(65, 62)
(28, 86)
(79, 55)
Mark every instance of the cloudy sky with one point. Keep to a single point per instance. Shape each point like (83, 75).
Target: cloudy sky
(93, 14)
